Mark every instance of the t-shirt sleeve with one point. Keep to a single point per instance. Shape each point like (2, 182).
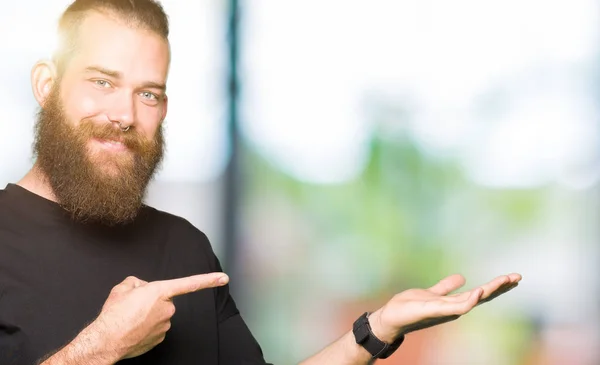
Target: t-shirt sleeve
(237, 345)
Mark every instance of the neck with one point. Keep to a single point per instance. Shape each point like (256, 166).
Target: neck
(36, 182)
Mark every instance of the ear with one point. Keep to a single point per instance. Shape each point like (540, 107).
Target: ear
(43, 77)
(165, 107)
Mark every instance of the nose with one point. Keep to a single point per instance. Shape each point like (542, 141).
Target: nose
(122, 111)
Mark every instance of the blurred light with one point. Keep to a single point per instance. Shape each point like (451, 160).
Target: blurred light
(305, 81)
(29, 27)
(306, 119)
(196, 121)
(535, 144)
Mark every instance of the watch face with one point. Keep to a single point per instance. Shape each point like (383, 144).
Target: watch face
(361, 333)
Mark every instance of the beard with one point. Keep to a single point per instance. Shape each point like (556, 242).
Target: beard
(105, 187)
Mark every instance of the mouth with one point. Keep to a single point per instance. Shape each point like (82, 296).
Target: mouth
(111, 144)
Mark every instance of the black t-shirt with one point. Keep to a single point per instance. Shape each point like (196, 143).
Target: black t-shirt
(55, 276)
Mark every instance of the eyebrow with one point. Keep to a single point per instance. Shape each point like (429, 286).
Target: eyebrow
(154, 85)
(119, 75)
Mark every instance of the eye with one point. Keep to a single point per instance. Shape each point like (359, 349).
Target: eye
(148, 95)
(102, 83)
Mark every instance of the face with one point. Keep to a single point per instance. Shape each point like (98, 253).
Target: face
(115, 79)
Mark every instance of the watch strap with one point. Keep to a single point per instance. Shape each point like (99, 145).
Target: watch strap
(365, 337)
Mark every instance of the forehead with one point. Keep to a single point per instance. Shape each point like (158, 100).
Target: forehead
(108, 42)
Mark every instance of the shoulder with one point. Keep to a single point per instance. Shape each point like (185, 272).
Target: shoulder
(4, 203)
(156, 216)
(174, 223)
(4, 199)
(179, 231)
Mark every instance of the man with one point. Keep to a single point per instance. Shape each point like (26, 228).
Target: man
(90, 275)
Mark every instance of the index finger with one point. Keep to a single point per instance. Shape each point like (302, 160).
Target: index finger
(174, 287)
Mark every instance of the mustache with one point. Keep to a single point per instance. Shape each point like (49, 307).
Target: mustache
(132, 139)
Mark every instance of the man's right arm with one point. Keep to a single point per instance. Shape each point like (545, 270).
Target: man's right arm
(133, 320)
(89, 347)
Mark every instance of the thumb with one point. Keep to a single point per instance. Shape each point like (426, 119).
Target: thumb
(448, 284)
(131, 282)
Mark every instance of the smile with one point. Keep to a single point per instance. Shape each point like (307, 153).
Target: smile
(110, 144)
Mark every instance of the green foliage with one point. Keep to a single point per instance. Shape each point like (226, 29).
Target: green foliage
(409, 219)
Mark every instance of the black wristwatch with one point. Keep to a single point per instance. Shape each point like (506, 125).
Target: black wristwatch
(365, 337)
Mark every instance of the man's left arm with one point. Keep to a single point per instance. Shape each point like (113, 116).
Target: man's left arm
(237, 345)
(412, 310)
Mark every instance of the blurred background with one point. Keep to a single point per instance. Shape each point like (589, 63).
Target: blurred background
(339, 152)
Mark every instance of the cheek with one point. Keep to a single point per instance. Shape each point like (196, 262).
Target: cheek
(149, 120)
(80, 104)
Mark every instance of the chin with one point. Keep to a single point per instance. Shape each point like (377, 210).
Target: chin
(110, 169)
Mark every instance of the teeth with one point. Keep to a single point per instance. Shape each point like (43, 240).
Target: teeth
(112, 143)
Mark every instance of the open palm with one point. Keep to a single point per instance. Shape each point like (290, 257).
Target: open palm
(416, 309)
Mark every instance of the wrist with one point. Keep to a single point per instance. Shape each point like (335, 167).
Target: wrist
(93, 345)
(381, 345)
(382, 331)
